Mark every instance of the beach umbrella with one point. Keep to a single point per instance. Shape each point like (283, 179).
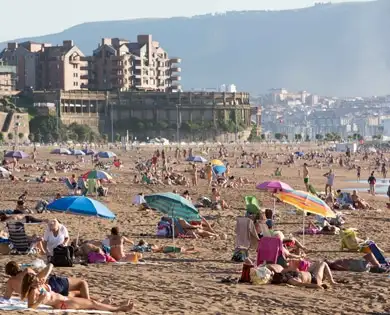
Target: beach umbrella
(306, 202)
(106, 154)
(197, 159)
(78, 152)
(80, 205)
(217, 162)
(273, 186)
(61, 151)
(97, 174)
(16, 154)
(89, 151)
(219, 169)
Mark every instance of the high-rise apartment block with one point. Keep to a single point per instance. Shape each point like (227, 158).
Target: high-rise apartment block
(116, 64)
(123, 65)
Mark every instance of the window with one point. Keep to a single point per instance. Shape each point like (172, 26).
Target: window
(75, 75)
(75, 66)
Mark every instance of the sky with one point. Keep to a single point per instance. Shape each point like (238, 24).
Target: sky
(41, 17)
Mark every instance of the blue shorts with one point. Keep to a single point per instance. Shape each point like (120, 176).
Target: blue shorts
(59, 285)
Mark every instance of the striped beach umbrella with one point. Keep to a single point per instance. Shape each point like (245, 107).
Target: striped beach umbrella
(97, 174)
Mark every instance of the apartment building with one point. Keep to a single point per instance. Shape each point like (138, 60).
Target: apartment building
(62, 68)
(43, 66)
(123, 65)
(7, 78)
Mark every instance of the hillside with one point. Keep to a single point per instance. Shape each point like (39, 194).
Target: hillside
(337, 49)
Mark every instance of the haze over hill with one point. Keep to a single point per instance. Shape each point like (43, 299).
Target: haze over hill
(337, 49)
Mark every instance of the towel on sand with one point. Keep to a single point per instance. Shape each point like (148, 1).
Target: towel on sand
(15, 304)
(246, 236)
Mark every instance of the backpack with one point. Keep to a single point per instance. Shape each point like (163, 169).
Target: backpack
(62, 256)
(240, 254)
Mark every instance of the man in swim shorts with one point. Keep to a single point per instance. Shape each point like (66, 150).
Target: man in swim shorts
(61, 285)
(306, 176)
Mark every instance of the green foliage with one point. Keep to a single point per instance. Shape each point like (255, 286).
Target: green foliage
(278, 136)
(319, 137)
(21, 135)
(332, 137)
(10, 136)
(1, 137)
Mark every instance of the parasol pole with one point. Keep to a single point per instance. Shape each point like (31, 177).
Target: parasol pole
(303, 230)
(78, 232)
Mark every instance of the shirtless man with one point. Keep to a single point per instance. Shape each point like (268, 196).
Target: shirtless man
(116, 244)
(306, 176)
(194, 174)
(62, 285)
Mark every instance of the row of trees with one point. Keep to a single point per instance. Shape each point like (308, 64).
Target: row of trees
(44, 129)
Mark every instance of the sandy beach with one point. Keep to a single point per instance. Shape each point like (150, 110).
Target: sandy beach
(191, 283)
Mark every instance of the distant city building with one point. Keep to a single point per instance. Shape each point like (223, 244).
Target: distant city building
(124, 65)
(230, 88)
(7, 79)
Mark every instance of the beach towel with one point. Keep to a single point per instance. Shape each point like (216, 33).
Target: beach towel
(18, 238)
(246, 235)
(269, 249)
(375, 250)
(15, 304)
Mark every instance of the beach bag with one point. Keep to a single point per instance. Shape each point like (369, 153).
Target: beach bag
(245, 273)
(349, 239)
(96, 258)
(63, 256)
(164, 229)
(260, 275)
(240, 254)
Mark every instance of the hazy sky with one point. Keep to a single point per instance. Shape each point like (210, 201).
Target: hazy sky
(42, 17)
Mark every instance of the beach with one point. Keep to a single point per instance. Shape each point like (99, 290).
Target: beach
(181, 283)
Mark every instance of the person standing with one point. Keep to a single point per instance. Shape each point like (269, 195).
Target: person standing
(372, 182)
(329, 181)
(306, 176)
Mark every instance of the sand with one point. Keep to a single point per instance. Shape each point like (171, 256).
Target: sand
(190, 283)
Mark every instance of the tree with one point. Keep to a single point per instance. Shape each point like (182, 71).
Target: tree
(105, 137)
(319, 137)
(298, 137)
(21, 135)
(307, 139)
(10, 136)
(31, 137)
(117, 137)
(1, 137)
(278, 136)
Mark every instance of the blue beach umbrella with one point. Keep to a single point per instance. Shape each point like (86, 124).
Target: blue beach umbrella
(219, 169)
(89, 151)
(197, 159)
(80, 205)
(61, 151)
(106, 154)
(16, 154)
(78, 152)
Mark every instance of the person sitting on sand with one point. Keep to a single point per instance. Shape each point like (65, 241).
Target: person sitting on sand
(116, 246)
(359, 203)
(205, 230)
(217, 200)
(314, 278)
(36, 290)
(65, 286)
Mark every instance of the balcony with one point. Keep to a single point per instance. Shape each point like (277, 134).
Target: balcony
(175, 77)
(175, 60)
(176, 69)
(74, 60)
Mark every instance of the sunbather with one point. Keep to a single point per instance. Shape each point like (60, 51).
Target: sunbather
(313, 278)
(37, 292)
(63, 285)
(204, 230)
(116, 246)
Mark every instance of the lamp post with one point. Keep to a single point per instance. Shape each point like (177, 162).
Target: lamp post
(178, 123)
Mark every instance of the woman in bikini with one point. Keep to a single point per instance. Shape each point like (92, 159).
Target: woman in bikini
(116, 246)
(38, 292)
(311, 279)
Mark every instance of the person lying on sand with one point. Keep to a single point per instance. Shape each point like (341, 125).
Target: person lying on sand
(116, 246)
(36, 290)
(205, 230)
(318, 272)
(369, 262)
(65, 286)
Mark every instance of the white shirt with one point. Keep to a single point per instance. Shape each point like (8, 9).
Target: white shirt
(54, 241)
(330, 179)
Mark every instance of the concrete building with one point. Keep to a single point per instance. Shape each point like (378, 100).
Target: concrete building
(7, 79)
(62, 68)
(24, 56)
(42, 66)
(118, 64)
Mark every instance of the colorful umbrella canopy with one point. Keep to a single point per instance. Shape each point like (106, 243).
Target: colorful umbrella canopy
(219, 169)
(173, 205)
(197, 159)
(306, 202)
(81, 205)
(78, 152)
(97, 174)
(274, 186)
(16, 154)
(106, 154)
(217, 162)
(61, 151)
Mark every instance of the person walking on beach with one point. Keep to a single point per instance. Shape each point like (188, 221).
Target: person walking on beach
(358, 173)
(306, 176)
(372, 182)
(329, 182)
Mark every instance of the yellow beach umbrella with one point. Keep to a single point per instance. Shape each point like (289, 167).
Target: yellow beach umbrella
(216, 162)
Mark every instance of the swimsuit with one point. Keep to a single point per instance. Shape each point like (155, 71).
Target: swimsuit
(313, 278)
(59, 285)
(306, 180)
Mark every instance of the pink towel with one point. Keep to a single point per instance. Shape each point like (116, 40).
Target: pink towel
(269, 249)
(246, 236)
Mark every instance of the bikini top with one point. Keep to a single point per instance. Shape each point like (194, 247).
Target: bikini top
(44, 290)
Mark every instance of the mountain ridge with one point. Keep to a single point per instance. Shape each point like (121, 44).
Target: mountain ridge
(331, 49)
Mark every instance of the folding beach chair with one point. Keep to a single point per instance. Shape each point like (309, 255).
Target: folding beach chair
(375, 250)
(19, 242)
(71, 189)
